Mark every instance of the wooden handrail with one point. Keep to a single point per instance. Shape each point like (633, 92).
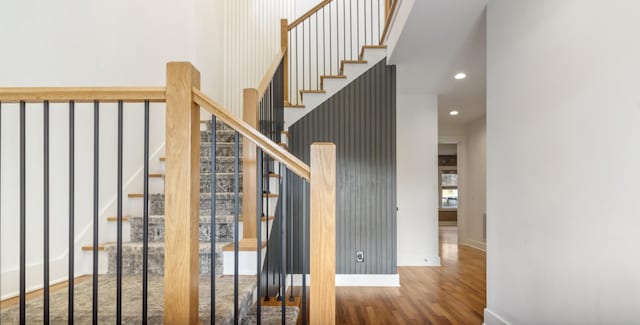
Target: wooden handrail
(309, 13)
(269, 147)
(264, 84)
(387, 23)
(82, 94)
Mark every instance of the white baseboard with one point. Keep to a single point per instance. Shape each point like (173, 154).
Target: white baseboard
(354, 280)
(367, 280)
(475, 244)
(490, 318)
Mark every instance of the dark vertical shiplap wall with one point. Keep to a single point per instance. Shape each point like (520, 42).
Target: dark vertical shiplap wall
(361, 121)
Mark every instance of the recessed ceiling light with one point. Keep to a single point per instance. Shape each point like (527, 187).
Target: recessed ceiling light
(460, 76)
(454, 113)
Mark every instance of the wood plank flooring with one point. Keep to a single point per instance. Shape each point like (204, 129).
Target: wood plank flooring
(451, 294)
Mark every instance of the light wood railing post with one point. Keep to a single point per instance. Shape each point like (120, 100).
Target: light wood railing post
(284, 44)
(182, 195)
(251, 116)
(322, 306)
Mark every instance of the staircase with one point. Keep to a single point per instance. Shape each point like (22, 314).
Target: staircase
(181, 93)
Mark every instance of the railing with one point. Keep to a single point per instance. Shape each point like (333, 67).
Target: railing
(332, 33)
(69, 97)
(182, 193)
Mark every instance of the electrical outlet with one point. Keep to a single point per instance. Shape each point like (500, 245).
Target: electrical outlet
(360, 256)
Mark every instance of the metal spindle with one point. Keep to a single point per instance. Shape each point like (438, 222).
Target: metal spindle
(119, 220)
(259, 234)
(330, 44)
(379, 21)
(303, 57)
(23, 215)
(212, 250)
(310, 67)
(364, 16)
(145, 218)
(295, 91)
(45, 283)
(344, 27)
(265, 174)
(324, 41)
(289, 213)
(71, 209)
(304, 252)
(358, 26)
(317, 55)
(96, 170)
(236, 209)
(283, 242)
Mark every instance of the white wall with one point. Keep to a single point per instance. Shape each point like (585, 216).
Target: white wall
(417, 163)
(114, 43)
(563, 157)
(472, 233)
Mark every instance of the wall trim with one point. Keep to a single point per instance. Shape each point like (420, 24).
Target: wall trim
(475, 244)
(491, 318)
(354, 280)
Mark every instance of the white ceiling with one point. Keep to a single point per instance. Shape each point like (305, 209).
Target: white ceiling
(439, 39)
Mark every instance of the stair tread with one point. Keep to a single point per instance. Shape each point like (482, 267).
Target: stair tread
(312, 91)
(244, 245)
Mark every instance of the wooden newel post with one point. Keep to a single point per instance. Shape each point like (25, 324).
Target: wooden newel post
(322, 309)
(182, 196)
(250, 115)
(284, 45)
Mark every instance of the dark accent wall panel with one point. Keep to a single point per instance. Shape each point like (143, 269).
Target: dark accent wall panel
(361, 121)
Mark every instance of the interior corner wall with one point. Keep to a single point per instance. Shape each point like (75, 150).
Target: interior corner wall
(417, 161)
(475, 185)
(562, 134)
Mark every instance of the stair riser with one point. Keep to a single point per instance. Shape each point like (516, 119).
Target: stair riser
(224, 204)
(224, 231)
(132, 261)
(222, 150)
(224, 183)
(221, 135)
(223, 165)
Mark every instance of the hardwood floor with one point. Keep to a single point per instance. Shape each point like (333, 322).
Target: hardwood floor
(451, 294)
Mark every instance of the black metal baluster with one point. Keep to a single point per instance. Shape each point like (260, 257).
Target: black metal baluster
(303, 66)
(283, 243)
(379, 21)
(96, 170)
(324, 41)
(145, 218)
(358, 27)
(344, 30)
(317, 54)
(304, 252)
(295, 91)
(310, 67)
(371, 19)
(289, 213)
(119, 220)
(364, 15)
(71, 209)
(212, 250)
(23, 215)
(259, 234)
(45, 283)
(265, 174)
(236, 209)
(330, 43)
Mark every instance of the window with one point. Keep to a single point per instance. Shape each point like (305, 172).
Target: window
(448, 188)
